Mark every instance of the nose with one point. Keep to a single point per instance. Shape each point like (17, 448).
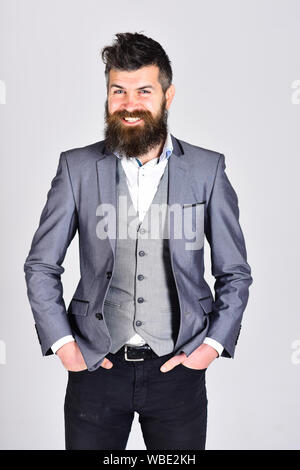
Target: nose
(131, 102)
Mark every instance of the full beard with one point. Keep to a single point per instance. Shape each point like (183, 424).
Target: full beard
(139, 139)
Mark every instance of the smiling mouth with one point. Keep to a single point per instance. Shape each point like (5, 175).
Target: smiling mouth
(131, 121)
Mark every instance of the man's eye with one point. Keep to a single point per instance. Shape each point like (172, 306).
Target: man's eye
(122, 91)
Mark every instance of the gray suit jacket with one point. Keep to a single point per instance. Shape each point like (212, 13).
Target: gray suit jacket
(85, 178)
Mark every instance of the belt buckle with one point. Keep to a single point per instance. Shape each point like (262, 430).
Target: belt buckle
(128, 359)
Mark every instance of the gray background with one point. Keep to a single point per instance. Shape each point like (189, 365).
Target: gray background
(234, 65)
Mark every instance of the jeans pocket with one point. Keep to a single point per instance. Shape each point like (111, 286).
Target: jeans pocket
(77, 371)
(191, 369)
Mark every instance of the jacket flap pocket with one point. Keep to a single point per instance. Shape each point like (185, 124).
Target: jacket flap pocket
(206, 303)
(79, 307)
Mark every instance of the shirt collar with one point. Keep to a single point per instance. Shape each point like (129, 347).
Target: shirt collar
(166, 152)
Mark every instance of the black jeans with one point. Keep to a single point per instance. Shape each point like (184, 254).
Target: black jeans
(172, 406)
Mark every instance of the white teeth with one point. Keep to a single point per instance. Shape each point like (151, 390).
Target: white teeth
(132, 119)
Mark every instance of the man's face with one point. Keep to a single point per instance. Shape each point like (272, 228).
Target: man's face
(136, 94)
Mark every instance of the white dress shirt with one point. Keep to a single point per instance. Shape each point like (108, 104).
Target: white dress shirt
(143, 181)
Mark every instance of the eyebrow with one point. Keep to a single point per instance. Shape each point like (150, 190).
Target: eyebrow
(140, 88)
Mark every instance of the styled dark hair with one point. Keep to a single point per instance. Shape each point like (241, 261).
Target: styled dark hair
(130, 51)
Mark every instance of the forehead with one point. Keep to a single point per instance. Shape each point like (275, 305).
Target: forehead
(147, 75)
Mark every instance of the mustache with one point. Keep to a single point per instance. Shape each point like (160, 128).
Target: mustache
(142, 114)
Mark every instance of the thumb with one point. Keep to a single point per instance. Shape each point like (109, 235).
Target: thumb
(106, 363)
(172, 362)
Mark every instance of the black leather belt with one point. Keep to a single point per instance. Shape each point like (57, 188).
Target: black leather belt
(136, 353)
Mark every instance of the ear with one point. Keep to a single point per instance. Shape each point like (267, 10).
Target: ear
(170, 95)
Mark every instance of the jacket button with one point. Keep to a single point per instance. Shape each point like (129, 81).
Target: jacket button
(141, 253)
(140, 300)
(99, 316)
(138, 323)
(140, 277)
(108, 274)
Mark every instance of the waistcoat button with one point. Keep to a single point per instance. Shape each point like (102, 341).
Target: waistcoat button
(140, 277)
(138, 323)
(140, 300)
(141, 253)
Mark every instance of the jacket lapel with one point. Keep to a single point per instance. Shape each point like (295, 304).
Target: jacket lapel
(106, 178)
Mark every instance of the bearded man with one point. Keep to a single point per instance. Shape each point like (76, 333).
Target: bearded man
(143, 325)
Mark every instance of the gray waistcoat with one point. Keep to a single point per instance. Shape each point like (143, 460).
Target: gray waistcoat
(142, 296)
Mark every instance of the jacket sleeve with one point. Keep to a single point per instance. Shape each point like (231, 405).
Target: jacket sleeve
(228, 262)
(43, 265)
